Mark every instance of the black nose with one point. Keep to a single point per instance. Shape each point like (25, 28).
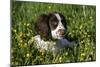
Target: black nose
(61, 31)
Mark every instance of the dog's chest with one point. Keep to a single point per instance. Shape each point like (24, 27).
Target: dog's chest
(52, 45)
(47, 45)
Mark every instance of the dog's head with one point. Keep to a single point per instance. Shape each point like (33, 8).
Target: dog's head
(52, 25)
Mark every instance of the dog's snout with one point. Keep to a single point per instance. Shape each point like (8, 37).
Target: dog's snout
(61, 31)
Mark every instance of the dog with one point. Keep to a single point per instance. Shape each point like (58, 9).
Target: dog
(50, 32)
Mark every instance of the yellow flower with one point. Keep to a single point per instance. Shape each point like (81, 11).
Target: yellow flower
(28, 34)
(16, 63)
(12, 63)
(28, 55)
(49, 7)
(85, 33)
(21, 41)
(20, 34)
(42, 51)
(28, 24)
(80, 26)
(82, 41)
(88, 35)
(90, 17)
(24, 23)
(66, 53)
(60, 59)
(82, 54)
(14, 30)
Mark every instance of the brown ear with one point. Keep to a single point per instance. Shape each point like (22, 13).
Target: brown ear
(50, 14)
(42, 26)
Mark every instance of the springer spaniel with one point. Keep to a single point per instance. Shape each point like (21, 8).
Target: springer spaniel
(51, 29)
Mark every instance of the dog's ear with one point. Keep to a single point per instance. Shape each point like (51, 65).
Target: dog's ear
(42, 27)
(50, 14)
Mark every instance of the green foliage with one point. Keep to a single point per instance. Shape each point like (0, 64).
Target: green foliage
(81, 22)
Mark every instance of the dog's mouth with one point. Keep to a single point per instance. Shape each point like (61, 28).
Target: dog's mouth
(61, 32)
(61, 36)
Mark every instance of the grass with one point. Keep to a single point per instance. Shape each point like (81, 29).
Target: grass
(81, 25)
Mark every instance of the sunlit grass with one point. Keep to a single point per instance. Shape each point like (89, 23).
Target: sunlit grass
(81, 22)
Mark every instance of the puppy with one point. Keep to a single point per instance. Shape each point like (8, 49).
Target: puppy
(50, 32)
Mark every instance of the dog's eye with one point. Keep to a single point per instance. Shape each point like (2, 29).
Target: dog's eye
(54, 23)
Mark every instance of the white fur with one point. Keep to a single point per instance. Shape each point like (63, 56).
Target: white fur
(55, 34)
(51, 45)
(47, 45)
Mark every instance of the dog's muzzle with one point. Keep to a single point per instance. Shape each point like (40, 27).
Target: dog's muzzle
(61, 32)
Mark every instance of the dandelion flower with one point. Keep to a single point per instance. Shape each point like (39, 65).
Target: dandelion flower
(27, 55)
(49, 7)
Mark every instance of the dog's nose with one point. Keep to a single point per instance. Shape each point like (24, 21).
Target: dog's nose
(61, 31)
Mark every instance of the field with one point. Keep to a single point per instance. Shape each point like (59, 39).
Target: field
(81, 27)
